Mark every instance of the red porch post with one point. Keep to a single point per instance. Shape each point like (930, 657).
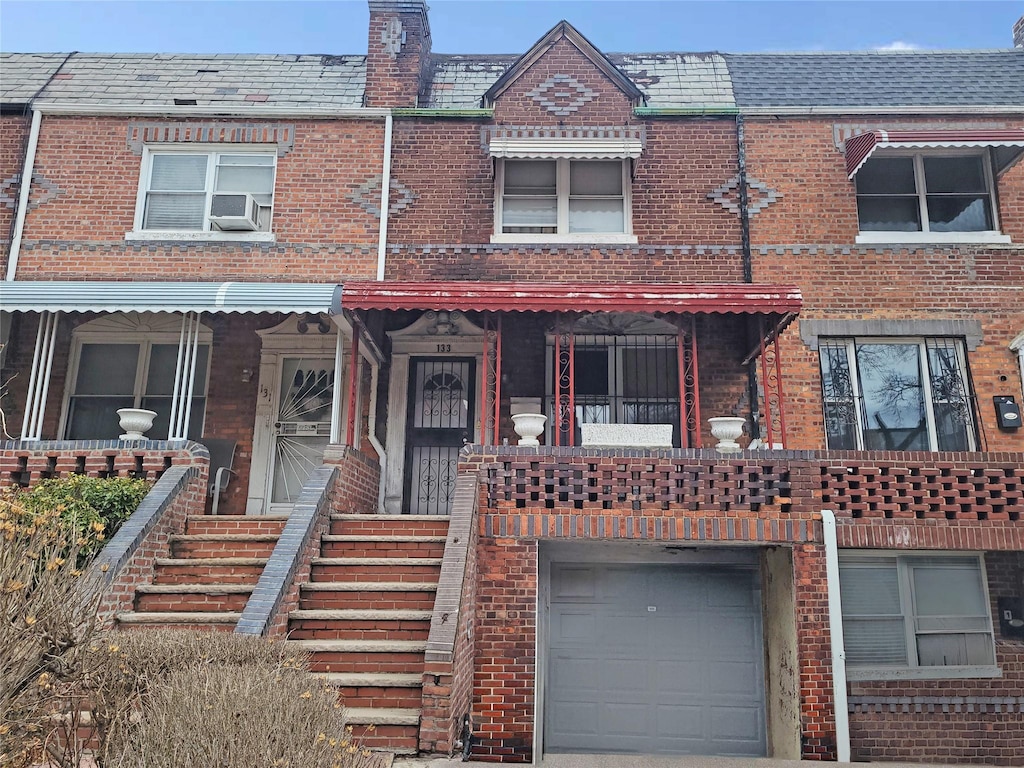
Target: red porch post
(353, 388)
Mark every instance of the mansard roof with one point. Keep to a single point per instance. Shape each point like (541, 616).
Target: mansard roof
(665, 80)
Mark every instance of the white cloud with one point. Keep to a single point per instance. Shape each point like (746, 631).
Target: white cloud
(898, 45)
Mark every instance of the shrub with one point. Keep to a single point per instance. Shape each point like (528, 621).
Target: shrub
(88, 504)
(184, 699)
(48, 617)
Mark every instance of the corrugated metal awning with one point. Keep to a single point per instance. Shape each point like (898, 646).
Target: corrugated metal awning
(1009, 144)
(89, 296)
(587, 143)
(741, 298)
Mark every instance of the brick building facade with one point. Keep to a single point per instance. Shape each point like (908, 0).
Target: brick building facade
(404, 252)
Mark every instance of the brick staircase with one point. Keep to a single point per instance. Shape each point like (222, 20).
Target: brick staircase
(364, 617)
(210, 573)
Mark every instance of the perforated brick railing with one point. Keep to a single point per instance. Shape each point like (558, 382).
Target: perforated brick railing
(854, 484)
(918, 488)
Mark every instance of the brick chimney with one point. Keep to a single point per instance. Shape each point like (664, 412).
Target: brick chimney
(397, 53)
(1018, 33)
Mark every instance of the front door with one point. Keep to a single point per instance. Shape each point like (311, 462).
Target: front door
(440, 422)
(301, 428)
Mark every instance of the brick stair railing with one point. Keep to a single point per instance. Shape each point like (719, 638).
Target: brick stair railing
(364, 617)
(209, 574)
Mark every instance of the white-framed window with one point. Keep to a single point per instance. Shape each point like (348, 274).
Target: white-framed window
(197, 190)
(563, 199)
(896, 394)
(927, 196)
(115, 368)
(915, 611)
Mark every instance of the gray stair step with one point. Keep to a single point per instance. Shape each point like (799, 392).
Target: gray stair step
(177, 561)
(194, 589)
(241, 537)
(397, 561)
(372, 680)
(376, 716)
(347, 516)
(179, 617)
(358, 615)
(370, 586)
(361, 646)
(389, 539)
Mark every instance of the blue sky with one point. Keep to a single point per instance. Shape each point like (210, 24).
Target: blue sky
(505, 26)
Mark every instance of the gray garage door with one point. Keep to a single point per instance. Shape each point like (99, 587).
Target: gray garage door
(654, 660)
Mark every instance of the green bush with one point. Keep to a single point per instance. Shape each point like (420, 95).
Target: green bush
(89, 505)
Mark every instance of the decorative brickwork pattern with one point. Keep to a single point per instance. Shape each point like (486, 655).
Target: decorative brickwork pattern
(562, 95)
(367, 196)
(759, 196)
(170, 132)
(941, 489)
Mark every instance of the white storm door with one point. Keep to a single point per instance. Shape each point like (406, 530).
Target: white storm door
(301, 428)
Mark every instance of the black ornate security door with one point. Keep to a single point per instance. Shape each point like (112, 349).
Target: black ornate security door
(441, 404)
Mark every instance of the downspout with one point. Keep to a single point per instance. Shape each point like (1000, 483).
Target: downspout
(835, 629)
(372, 434)
(23, 192)
(385, 195)
(26, 174)
(748, 265)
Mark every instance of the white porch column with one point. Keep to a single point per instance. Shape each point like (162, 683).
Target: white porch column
(184, 377)
(337, 415)
(1018, 345)
(39, 379)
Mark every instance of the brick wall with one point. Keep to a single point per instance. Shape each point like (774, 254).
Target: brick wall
(972, 284)
(13, 134)
(355, 489)
(395, 81)
(949, 721)
(325, 185)
(799, 159)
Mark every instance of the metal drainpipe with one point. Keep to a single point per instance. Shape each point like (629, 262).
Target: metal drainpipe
(835, 629)
(748, 266)
(385, 198)
(23, 192)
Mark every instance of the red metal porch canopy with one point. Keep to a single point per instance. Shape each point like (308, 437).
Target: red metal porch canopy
(742, 298)
(860, 147)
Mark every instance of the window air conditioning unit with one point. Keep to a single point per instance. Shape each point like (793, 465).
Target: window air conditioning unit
(235, 211)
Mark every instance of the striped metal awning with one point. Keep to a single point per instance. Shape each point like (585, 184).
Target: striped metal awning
(92, 296)
(1008, 143)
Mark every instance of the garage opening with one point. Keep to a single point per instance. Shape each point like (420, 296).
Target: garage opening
(654, 659)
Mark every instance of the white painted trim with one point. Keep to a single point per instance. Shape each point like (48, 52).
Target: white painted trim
(1018, 345)
(276, 343)
(23, 193)
(937, 238)
(835, 629)
(211, 110)
(925, 673)
(620, 239)
(156, 236)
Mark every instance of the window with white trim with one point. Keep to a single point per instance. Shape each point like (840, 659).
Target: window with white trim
(190, 190)
(931, 193)
(130, 371)
(563, 197)
(915, 610)
(896, 394)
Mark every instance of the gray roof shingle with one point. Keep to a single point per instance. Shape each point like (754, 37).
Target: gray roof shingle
(879, 78)
(668, 80)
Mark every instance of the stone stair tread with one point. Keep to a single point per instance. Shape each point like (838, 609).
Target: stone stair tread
(381, 716)
(237, 537)
(389, 539)
(194, 589)
(372, 679)
(179, 617)
(370, 586)
(390, 518)
(210, 561)
(367, 646)
(240, 518)
(354, 614)
(396, 561)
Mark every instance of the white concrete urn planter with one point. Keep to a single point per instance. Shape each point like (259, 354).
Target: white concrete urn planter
(529, 427)
(727, 429)
(135, 421)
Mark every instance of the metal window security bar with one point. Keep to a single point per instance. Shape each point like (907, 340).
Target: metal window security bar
(39, 379)
(618, 379)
